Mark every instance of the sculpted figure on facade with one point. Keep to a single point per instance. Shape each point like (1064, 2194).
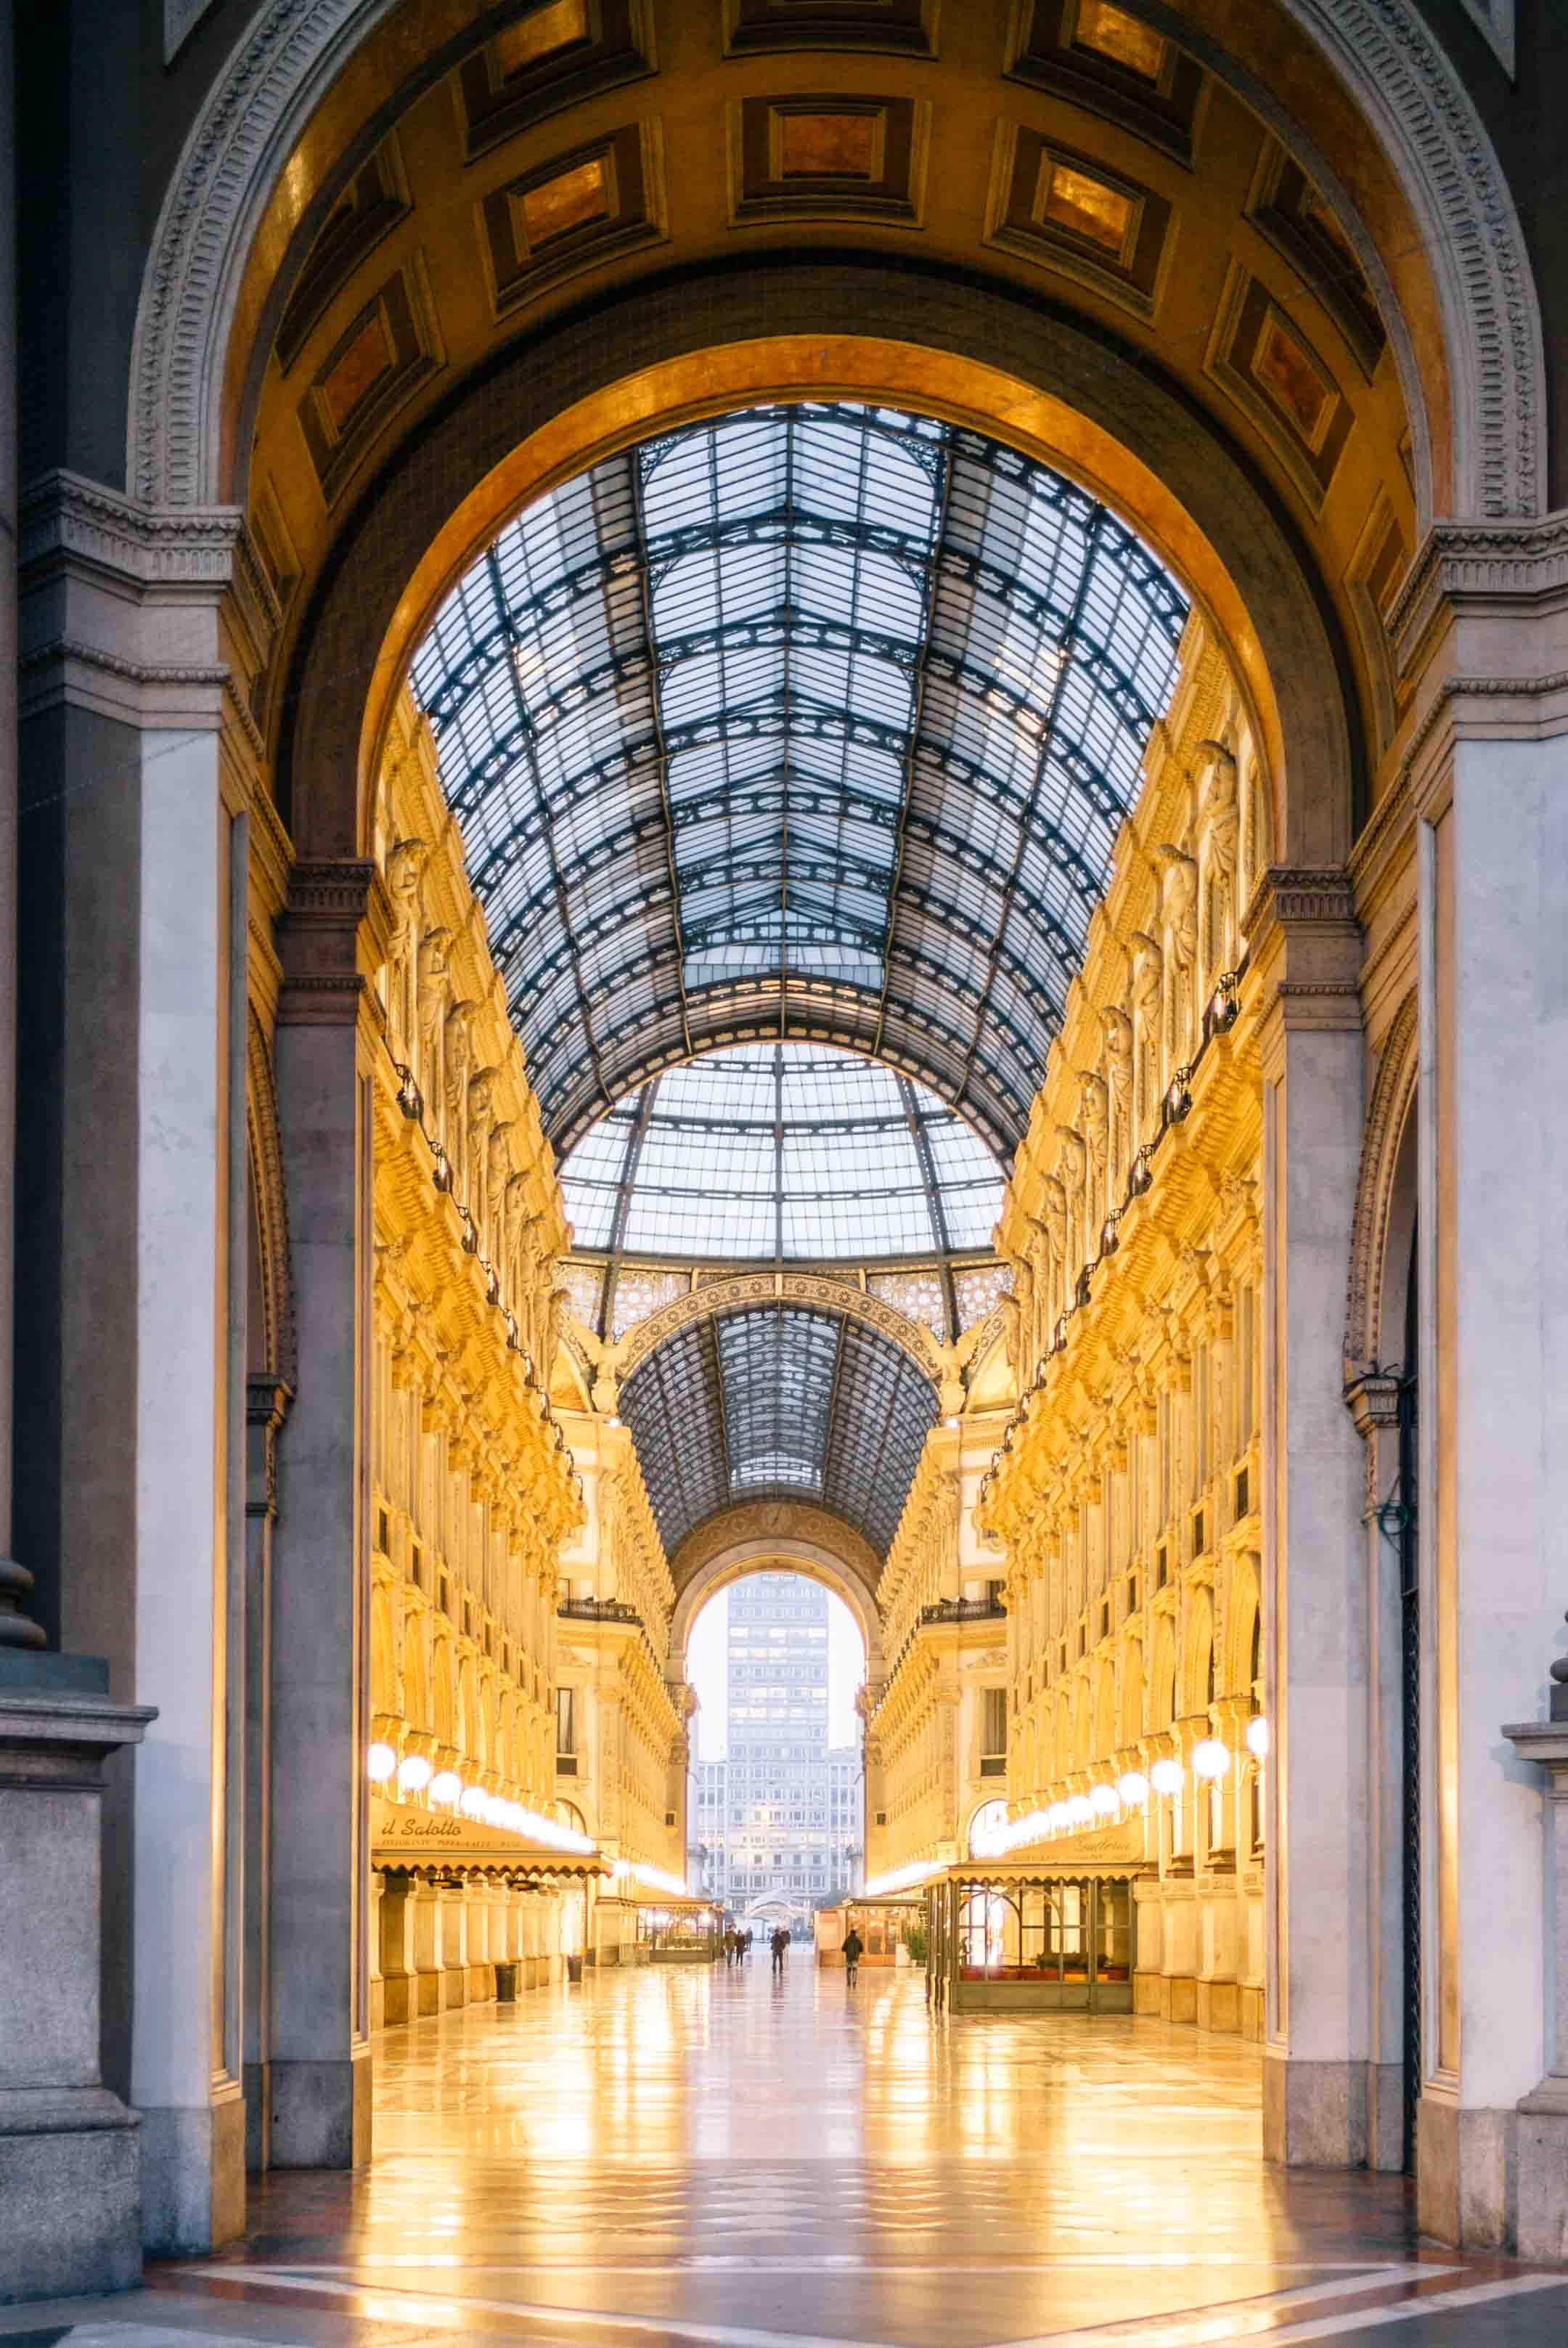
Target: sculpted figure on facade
(1148, 1010)
(1054, 1210)
(1117, 1030)
(405, 866)
(481, 1114)
(1094, 1115)
(1179, 916)
(432, 991)
(1219, 824)
(498, 1173)
(458, 1062)
(1073, 1171)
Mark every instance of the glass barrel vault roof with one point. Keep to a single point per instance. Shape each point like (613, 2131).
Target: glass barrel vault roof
(812, 722)
(789, 1151)
(778, 1402)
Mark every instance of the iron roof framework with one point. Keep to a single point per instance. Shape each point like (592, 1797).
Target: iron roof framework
(813, 721)
(779, 1401)
(793, 1151)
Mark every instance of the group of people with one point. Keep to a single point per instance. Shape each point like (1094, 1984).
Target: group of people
(738, 1945)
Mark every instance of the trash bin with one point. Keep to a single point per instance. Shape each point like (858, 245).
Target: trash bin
(505, 1984)
(574, 1969)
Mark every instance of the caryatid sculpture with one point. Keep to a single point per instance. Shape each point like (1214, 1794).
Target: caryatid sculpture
(1219, 827)
(481, 1114)
(457, 1057)
(404, 867)
(1073, 1171)
(1054, 1214)
(1094, 1116)
(1148, 1005)
(497, 1170)
(1117, 1030)
(1179, 919)
(434, 986)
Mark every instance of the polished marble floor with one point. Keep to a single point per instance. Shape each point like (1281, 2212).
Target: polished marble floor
(692, 2156)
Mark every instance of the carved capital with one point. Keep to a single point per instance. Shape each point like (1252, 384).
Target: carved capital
(332, 937)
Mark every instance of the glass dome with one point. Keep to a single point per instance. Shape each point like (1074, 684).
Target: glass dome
(785, 1151)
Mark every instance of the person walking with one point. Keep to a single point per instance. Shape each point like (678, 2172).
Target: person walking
(732, 1939)
(779, 1945)
(854, 1949)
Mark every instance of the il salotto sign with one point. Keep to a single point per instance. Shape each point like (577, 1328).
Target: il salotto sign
(414, 1837)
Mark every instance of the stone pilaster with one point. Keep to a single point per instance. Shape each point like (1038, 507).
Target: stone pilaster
(1540, 2229)
(332, 938)
(1306, 948)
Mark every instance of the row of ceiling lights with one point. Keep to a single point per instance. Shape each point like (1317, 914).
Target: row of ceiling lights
(414, 1775)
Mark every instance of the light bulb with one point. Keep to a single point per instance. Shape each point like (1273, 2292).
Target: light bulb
(1257, 1736)
(414, 1772)
(1211, 1759)
(446, 1785)
(379, 1763)
(1060, 1816)
(1167, 1777)
(1104, 1798)
(1081, 1810)
(472, 1802)
(1133, 1788)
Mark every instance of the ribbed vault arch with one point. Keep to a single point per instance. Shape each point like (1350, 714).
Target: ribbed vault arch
(782, 1402)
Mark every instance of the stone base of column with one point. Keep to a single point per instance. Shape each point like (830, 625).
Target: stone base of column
(70, 2152)
(1387, 2150)
(1541, 2213)
(1314, 2114)
(1467, 2167)
(257, 2079)
(70, 2187)
(399, 1998)
(321, 2112)
(192, 2175)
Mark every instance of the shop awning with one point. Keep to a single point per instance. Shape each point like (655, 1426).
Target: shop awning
(402, 1834)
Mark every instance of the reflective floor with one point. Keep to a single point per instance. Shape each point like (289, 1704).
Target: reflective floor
(695, 2156)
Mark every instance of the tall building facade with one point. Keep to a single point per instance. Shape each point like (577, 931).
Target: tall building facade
(781, 1813)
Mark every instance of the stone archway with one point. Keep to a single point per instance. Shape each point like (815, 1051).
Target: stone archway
(1427, 138)
(777, 1537)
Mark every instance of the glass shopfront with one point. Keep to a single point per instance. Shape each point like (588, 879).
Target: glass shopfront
(1006, 1937)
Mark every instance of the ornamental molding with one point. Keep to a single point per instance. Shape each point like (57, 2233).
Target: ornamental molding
(1398, 74)
(1396, 71)
(1397, 1069)
(1297, 894)
(271, 1204)
(820, 1291)
(1478, 563)
(778, 1520)
(64, 515)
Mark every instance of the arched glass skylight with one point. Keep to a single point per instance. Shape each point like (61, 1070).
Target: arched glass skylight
(813, 721)
(782, 1151)
(778, 1402)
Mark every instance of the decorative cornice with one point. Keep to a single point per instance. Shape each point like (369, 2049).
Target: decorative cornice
(818, 1288)
(1405, 86)
(63, 515)
(330, 906)
(1484, 564)
(765, 1520)
(1386, 1112)
(1295, 894)
(214, 676)
(1394, 69)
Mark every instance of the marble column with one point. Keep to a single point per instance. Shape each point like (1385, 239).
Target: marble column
(332, 938)
(1493, 840)
(1306, 948)
(266, 1404)
(399, 1961)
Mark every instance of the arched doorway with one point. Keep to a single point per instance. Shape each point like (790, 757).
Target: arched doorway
(472, 428)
